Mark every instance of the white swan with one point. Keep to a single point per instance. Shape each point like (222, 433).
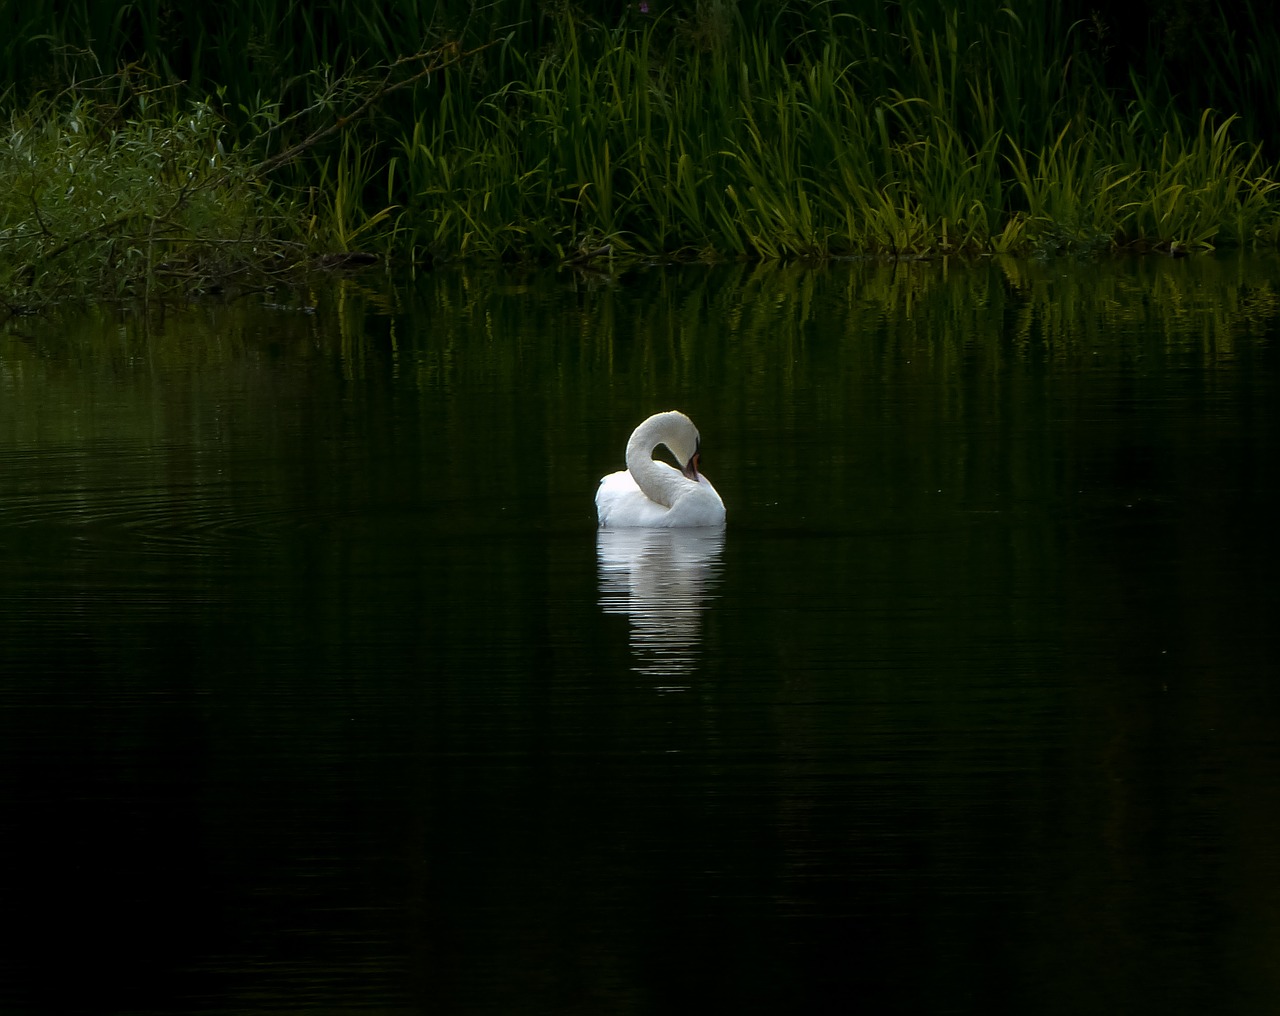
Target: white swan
(650, 493)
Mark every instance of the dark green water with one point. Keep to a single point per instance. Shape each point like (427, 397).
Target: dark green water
(319, 694)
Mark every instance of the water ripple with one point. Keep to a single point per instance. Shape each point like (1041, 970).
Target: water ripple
(192, 513)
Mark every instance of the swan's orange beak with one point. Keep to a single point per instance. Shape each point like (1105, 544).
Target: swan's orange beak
(691, 470)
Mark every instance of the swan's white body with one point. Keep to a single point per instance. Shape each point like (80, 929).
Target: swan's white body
(651, 494)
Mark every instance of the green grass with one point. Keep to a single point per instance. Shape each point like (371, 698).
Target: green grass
(158, 147)
(131, 200)
(755, 155)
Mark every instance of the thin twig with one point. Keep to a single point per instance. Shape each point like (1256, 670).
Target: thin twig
(35, 207)
(88, 234)
(385, 89)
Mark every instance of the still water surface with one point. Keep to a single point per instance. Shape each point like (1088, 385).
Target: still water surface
(320, 692)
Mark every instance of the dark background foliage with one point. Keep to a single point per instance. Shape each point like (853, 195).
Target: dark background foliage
(1195, 54)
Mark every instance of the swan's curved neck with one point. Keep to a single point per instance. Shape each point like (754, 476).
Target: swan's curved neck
(660, 482)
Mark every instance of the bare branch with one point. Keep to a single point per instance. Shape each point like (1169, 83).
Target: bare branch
(442, 57)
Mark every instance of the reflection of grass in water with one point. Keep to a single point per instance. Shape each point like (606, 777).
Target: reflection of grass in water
(677, 328)
(748, 331)
(569, 363)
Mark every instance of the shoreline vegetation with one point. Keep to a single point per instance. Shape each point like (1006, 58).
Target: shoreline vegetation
(239, 155)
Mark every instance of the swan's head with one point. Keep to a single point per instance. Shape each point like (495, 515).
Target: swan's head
(677, 432)
(690, 468)
(651, 492)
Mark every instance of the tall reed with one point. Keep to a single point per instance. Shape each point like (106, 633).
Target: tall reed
(727, 128)
(750, 152)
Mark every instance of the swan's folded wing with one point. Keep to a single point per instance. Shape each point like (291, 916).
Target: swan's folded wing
(619, 502)
(699, 506)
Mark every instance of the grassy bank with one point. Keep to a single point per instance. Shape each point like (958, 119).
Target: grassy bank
(741, 150)
(719, 131)
(105, 200)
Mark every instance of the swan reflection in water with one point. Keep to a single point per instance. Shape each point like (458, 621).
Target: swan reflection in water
(662, 580)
